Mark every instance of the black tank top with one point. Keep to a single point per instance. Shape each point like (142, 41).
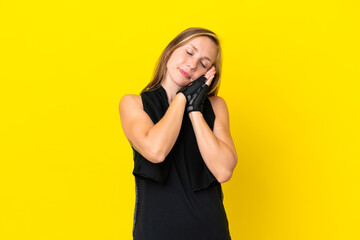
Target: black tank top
(179, 198)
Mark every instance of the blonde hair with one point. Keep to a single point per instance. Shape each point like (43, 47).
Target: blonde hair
(180, 40)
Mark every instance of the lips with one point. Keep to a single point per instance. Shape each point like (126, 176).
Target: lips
(184, 73)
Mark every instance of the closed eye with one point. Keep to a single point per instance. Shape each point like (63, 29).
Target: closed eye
(200, 62)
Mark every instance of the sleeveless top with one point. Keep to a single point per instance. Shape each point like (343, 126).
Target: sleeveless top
(179, 198)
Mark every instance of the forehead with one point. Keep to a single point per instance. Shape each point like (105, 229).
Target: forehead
(205, 46)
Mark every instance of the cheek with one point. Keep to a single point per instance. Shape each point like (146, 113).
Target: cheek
(179, 57)
(174, 61)
(200, 75)
(179, 60)
(171, 63)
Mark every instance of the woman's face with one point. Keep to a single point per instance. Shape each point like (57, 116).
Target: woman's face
(190, 61)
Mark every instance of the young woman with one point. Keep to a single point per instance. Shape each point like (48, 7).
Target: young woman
(179, 131)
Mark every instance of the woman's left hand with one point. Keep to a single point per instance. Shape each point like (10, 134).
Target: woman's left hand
(210, 74)
(196, 102)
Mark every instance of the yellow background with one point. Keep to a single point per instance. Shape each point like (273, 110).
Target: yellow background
(290, 79)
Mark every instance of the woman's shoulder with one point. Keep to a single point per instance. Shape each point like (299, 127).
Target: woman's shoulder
(217, 103)
(131, 100)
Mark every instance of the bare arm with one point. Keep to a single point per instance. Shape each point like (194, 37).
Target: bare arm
(216, 147)
(154, 142)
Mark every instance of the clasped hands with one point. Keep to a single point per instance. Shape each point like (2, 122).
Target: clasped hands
(196, 91)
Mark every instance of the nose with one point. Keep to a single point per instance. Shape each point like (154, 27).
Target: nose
(192, 64)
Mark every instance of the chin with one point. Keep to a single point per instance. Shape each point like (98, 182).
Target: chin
(183, 80)
(182, 84)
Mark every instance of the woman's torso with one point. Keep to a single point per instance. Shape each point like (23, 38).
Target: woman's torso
(173, 210)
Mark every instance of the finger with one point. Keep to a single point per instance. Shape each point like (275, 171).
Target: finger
(209, 73)
(208, 82)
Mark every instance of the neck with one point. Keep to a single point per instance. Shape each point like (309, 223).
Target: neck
(171, 89)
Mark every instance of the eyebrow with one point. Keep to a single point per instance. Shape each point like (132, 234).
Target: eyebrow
(197, 51)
